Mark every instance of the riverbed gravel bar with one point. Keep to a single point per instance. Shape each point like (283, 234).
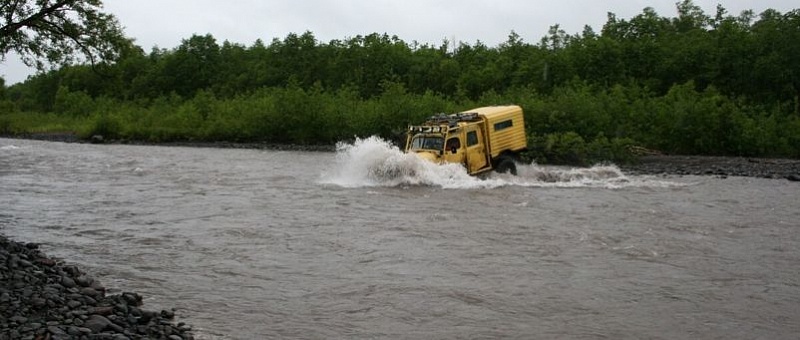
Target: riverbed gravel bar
(44, 298)
(721, 167)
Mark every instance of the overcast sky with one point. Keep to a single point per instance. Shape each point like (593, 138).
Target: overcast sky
(164, 23)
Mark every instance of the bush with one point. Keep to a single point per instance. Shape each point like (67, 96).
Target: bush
(106, 125)
(577, 124)
(75, 104)
(571, 149)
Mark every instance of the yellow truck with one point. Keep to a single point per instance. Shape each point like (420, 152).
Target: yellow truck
(481, 139)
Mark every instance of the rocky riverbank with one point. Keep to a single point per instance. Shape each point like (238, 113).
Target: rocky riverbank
(716, 166)
(45, 298)
(68, 137)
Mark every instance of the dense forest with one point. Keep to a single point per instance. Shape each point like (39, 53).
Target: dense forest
(694, 83)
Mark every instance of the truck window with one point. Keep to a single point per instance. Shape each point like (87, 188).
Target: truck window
(427, 142)
(472, 138)
(503, 125)
(453, 143)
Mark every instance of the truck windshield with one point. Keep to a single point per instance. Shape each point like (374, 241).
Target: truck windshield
(427, 142)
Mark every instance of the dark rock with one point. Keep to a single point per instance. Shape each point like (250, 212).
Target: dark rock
(72, 270)
(132, 299)
(167, 314)
(116, 328)
(55, 330)
(41, 298)
(74, 304)
(147, 316)
(96, 139)
(27, 292)
(88, 300)
(97, 323)
(84, 281)
(67, 282)
(793, 178)
(135, 311)
(18, 319)
(105, 310)
(39, 302)
(123, 308)
(88, 291)
(75, 331)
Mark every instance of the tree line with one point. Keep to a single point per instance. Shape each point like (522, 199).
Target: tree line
(694, 83)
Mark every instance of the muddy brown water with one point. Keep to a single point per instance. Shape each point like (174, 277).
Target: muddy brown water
(370, 243)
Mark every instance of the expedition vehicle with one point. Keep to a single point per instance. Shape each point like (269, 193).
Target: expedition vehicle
(481, 139)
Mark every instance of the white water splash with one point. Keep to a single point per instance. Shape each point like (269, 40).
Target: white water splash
(607, 176)
(374, 162)
(9, 147)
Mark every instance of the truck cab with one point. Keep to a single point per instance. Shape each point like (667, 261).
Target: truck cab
(481, 139)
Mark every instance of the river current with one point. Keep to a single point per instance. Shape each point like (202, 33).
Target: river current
(368, 242)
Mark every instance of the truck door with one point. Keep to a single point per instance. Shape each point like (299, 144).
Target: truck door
(476, 149)
(454, 149)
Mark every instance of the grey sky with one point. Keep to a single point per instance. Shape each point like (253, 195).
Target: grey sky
(164, 23)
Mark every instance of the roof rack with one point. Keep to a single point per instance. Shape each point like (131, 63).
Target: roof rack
(453, 118)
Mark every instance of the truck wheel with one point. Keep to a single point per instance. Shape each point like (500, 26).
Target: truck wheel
(506, 164)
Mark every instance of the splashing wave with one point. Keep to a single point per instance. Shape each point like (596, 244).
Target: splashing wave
(374, 162)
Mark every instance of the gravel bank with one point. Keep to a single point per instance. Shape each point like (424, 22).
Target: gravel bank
(716, 166)
(68, 137)
(44, 298)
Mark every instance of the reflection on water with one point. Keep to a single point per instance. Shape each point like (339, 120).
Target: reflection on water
(369, 242)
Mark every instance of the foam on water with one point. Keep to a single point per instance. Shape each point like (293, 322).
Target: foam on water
(374, 162)
(599, 176)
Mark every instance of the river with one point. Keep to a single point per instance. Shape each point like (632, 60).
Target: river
(368, 242)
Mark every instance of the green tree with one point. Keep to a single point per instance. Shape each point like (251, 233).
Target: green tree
(193, 66)
(6, 106)
(52, 32)
(776, 73)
